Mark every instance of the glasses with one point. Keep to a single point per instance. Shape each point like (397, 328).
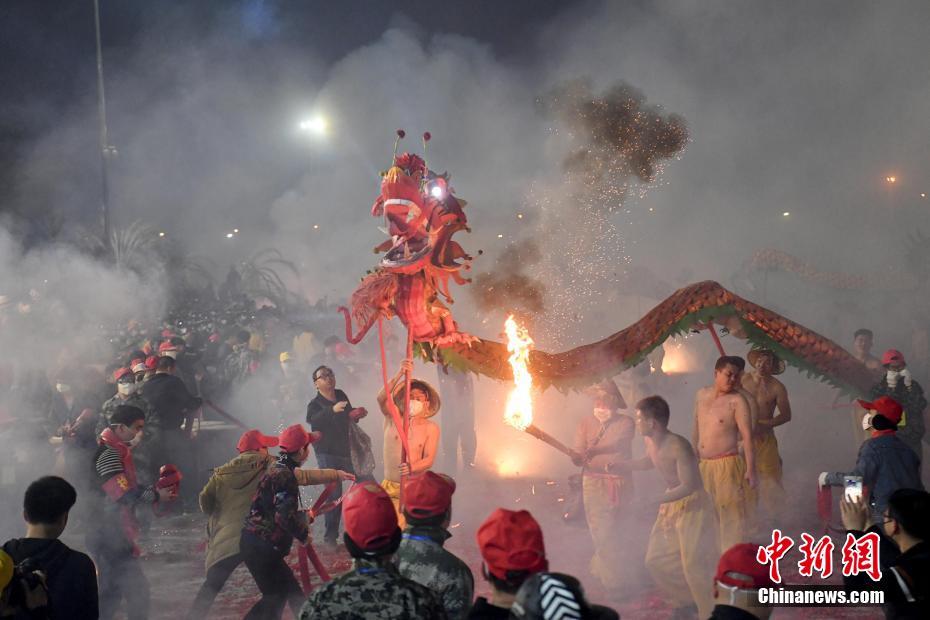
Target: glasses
(323, 375)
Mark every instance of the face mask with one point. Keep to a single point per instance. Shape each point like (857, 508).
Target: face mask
(62, 388)
(135, 441)
(867, 422)
(126, 388)
(602, 414)
(172, 354)
(416, 407)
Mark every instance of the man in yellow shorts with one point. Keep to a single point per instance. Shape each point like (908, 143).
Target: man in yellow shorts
(721, 421)
(683, 544)
(769, 394)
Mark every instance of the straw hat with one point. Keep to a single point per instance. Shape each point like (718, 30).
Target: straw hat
(778, 364)
(434, 401)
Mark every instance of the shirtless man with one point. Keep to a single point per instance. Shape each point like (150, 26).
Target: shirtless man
(683, 544)
(768, 393)
(422, 435)
(862, 351)
(721, 420)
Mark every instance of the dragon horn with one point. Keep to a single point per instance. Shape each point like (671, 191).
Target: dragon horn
(400, 136)
(426, 137)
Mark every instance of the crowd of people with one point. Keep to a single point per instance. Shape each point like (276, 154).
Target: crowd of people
(723, 493)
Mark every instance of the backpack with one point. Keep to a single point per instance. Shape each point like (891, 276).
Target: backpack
(26, 595)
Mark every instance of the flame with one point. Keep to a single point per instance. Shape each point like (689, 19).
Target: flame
(519, 412)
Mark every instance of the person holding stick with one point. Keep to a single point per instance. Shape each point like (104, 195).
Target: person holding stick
(422, 434)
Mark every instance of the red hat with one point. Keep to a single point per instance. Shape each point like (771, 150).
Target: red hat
(166, 346)
(295, 437)
(739, 567)
(369, 516)
(167, 333)
(892, 356)
(512, 541)
(119, 373)
(885, 406)
(137, 365)
(255, 440)
(428, 495)
(151, 362)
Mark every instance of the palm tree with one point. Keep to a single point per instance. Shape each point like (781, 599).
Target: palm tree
(261, 276)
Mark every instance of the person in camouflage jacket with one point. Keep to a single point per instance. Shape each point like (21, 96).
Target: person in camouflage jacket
(373, 588)
(128, 392)
(421, 556)
(274, 520)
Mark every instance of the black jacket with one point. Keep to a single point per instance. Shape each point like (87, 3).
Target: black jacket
(69, 574)
(169, 399)
(483, 610)
(905, 580)
(334, 426)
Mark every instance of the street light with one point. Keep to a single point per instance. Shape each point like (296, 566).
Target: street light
(316, 125)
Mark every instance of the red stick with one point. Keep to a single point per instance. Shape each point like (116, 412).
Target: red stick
(713, 334)
(405, 449)
(392, 408)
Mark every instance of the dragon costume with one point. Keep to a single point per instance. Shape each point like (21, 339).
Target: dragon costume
(422, 214)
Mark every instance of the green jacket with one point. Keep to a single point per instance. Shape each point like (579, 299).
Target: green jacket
(422, 558)
(228, 495)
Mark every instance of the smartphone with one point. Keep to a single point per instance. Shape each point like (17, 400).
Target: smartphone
(853, 487)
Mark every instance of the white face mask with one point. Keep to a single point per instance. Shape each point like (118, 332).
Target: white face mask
(126, 389)
(867, 422)
(172, 354)
(416, 407)
(135, 441)
(602, 414)
(62, 388)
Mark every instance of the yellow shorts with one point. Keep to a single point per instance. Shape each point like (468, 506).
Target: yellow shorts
(725, 481)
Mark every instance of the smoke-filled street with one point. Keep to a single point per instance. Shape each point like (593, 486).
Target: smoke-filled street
(535, 309)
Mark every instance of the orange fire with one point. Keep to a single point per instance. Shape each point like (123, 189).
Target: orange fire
(519, 412)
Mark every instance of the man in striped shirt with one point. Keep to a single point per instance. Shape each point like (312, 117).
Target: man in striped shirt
(113, 543)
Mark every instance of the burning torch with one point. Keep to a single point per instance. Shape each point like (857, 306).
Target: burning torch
(519, 411)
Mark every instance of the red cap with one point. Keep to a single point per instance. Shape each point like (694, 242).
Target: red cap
(168, 476)
(512, 541)
(295, 437)
(369, 516)
(428, 495)
(151, 362)
(137, 365)
(739, 567)
(166, 346)
(892, 356)
(255, 440)
(167, 333)
(119, 373)
(885, 406)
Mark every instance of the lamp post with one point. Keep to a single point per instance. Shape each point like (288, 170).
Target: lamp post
(105, 149)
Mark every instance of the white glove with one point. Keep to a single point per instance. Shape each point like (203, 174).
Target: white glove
(891, 377)
(822, 478)
(907, 376)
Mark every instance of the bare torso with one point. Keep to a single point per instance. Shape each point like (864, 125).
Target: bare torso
(421, 435)
(674, 454)
(764, 391)
(715, 417)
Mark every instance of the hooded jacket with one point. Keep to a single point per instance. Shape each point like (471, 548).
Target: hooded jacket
(227, 496)
(70, 575)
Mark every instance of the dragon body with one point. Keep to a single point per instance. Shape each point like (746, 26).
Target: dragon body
(419, 258)
(698, 306)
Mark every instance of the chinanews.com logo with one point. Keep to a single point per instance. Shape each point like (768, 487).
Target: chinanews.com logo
(858, 556)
